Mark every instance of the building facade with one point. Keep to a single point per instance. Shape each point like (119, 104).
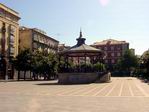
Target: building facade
(9, 37)
(113, 50)
(62, 47)
(36, 40)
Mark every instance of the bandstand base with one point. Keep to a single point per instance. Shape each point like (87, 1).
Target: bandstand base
(81, 78)
(77, 78)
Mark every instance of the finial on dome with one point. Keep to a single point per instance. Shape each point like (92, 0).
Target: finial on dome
(80, 33)
(80, 39)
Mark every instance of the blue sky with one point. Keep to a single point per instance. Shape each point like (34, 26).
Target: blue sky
(99, 19)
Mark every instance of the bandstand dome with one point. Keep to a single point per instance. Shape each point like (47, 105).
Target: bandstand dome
(81, 49)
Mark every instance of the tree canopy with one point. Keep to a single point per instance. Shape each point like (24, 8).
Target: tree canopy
(145, 61)
(128, 61)
(39, 63)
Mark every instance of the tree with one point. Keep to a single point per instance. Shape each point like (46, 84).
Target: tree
(40, 63)
(23, 62)
(44, 65)
(144, 61)
(36, 64)
(52, 65)
(128, 62)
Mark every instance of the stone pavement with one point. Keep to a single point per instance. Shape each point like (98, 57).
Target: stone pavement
(121, 95)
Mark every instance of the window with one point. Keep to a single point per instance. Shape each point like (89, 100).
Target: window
(106, 61)
(105, 53)
(118, 54)
(12, 50)
(35, 45)
(112, 54)
(118, 48)
(11, 39)
(113, 61)
(105, 48)
(2, 12)
(109, 54)
(112, 48)
(99, 47)
(35, 37)
(12, 30)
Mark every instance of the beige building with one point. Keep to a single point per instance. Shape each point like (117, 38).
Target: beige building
(35, 39)
(9, 37)
(9, 18)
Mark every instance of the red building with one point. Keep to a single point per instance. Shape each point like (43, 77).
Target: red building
(113, 50)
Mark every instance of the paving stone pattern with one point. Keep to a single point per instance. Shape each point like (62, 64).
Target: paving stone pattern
(121, 95)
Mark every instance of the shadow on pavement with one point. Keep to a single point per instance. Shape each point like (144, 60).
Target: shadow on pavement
(144, 80)
(46, 84)
(56, 83)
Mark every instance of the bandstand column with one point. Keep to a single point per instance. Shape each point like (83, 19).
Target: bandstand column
(59, 60)
(85, 62)
(78, 60)
(78, 68)
(98, 58)
(67, 62)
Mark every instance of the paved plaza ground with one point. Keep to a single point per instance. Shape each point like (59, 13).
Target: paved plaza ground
(121, 95)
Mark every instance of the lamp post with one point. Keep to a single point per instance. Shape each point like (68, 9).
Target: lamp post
(4, 52)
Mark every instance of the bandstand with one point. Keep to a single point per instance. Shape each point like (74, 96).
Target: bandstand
(82, 57)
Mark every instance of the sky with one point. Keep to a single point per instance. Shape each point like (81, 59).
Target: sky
(99, 19)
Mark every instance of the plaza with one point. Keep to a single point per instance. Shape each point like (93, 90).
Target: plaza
(123, 94)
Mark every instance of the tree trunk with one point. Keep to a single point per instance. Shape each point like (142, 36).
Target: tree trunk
(18, 75)
(24, 75)
(30, 75)
(33, 75)
(37, 76)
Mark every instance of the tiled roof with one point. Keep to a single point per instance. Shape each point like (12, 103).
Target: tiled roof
(109, 41)
(85, 48)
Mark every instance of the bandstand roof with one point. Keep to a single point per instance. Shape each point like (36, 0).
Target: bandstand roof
(81, 49)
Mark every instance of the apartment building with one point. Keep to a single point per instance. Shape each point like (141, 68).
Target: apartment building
(9, 37)
(36, 39)
(113, 49)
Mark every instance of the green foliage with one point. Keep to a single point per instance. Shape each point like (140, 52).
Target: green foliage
(23, 61)
(64, 65)
(144, 62)
(99, 67)
(44, 64)
(85, 67)
(128, 61)
(38, 62)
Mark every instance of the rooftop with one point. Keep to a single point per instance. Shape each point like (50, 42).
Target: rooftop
(110, 41)
(37, 30)
(9, 10)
